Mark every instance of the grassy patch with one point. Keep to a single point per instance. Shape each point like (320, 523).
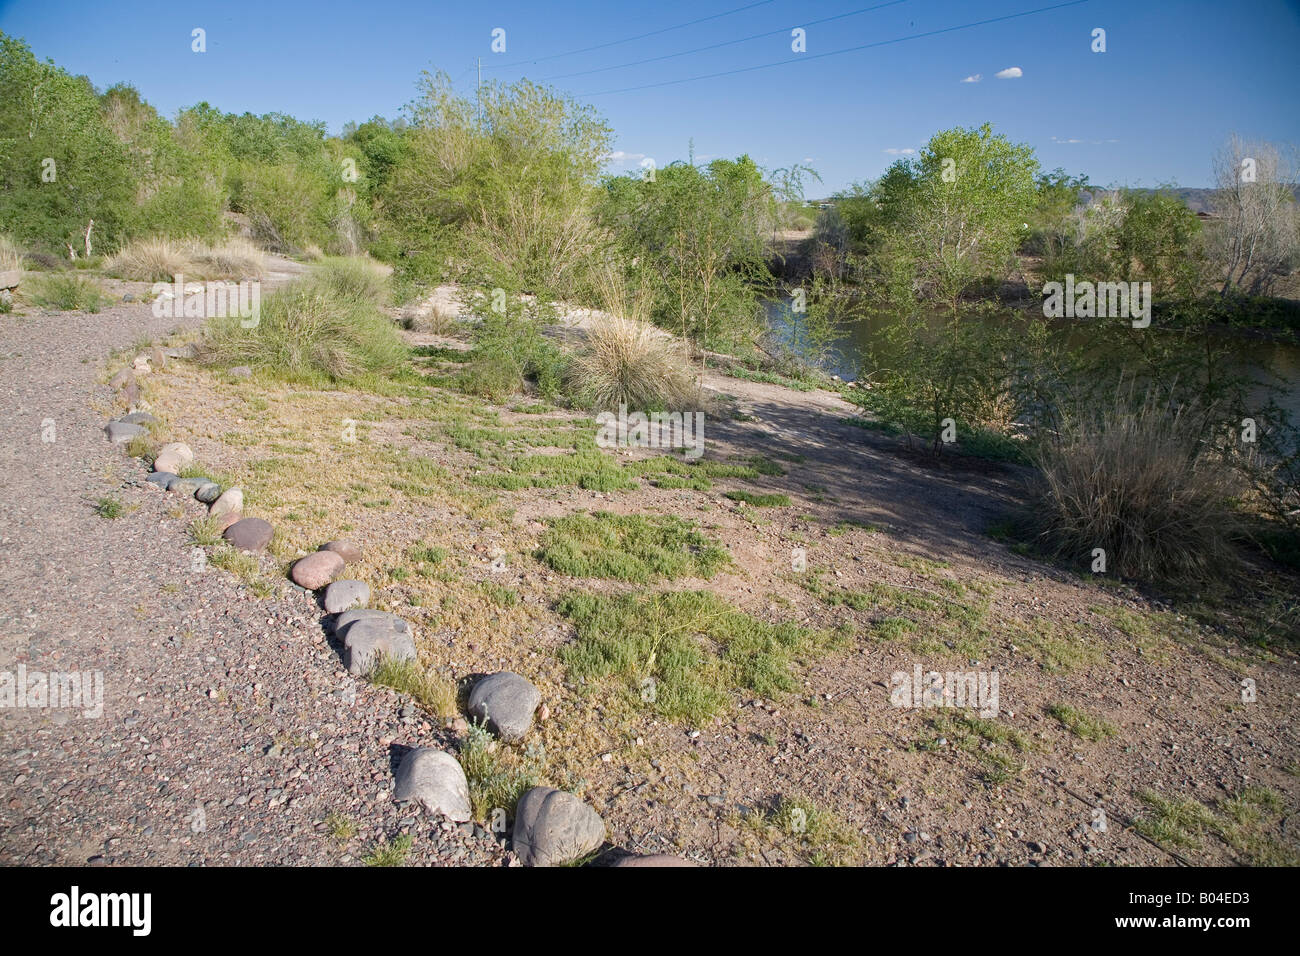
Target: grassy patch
(682, 654)
(65, 292)
(1081, 724)
(434, 693)
(629, 548)
(760, 500)
(109, 508)
(999, 748)
(389, 852)
(340, 827)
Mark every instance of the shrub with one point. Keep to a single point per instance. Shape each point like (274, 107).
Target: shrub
(66, 293)
(352, 279)
(1132, 482)
(309, 332)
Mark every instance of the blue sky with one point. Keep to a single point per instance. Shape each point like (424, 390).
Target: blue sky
(1175, 80)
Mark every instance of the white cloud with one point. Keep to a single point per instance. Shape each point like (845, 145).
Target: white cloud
(621, 157)
(974, 78)
(1010, 73)
(900, 152)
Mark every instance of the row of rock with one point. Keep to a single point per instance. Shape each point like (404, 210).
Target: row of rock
(552, 827)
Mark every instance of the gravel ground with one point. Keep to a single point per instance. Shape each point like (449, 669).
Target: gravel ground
(230, 730)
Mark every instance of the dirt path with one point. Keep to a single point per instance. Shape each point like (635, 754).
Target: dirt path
(229, 731)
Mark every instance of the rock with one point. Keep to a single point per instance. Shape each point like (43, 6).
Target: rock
(345, 595)
(161, 478)
(208, 492)
(346, 550)
(186, 351)
(130, 392)
(241, 371)
(553, 828)
(249, 534)
(141, 365)
(121, 378)
(224, 521)
(139, 418)
(156, 358)
(654, 859)
(232, 499)
(435, 780)
(348, 618)
(173, 456)
(128, 297)
(10, 278)
(505, 701)
(366, 642)
(187, 486)
(119, 431)
(316, 570)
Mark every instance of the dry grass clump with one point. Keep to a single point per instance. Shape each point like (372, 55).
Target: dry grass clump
(1136, 483)
(627, 361)
(161, 260)
(436, 321)
(234, 259)
(11, 260)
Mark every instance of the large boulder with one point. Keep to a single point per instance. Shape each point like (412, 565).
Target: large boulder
(435, 780)
(553, 827)
(505, 702)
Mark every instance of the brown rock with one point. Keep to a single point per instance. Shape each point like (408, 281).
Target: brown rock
(224, 521)
(347, 550)
(316, 570)
(249, 534)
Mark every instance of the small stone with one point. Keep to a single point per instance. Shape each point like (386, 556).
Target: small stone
(345, 595)
(141, 365)
(349, 552)
(241, 371)
(208, 492)
(232, 499)
(316, 570)
(435, 780)
(249, 534)
(553, 828)
(119, 431)
(156, 357)
(506, 702)
(173, 457)
(161, 478)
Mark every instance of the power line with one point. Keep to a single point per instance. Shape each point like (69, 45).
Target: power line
(714, 46)
(639, 36)
(852, 49)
